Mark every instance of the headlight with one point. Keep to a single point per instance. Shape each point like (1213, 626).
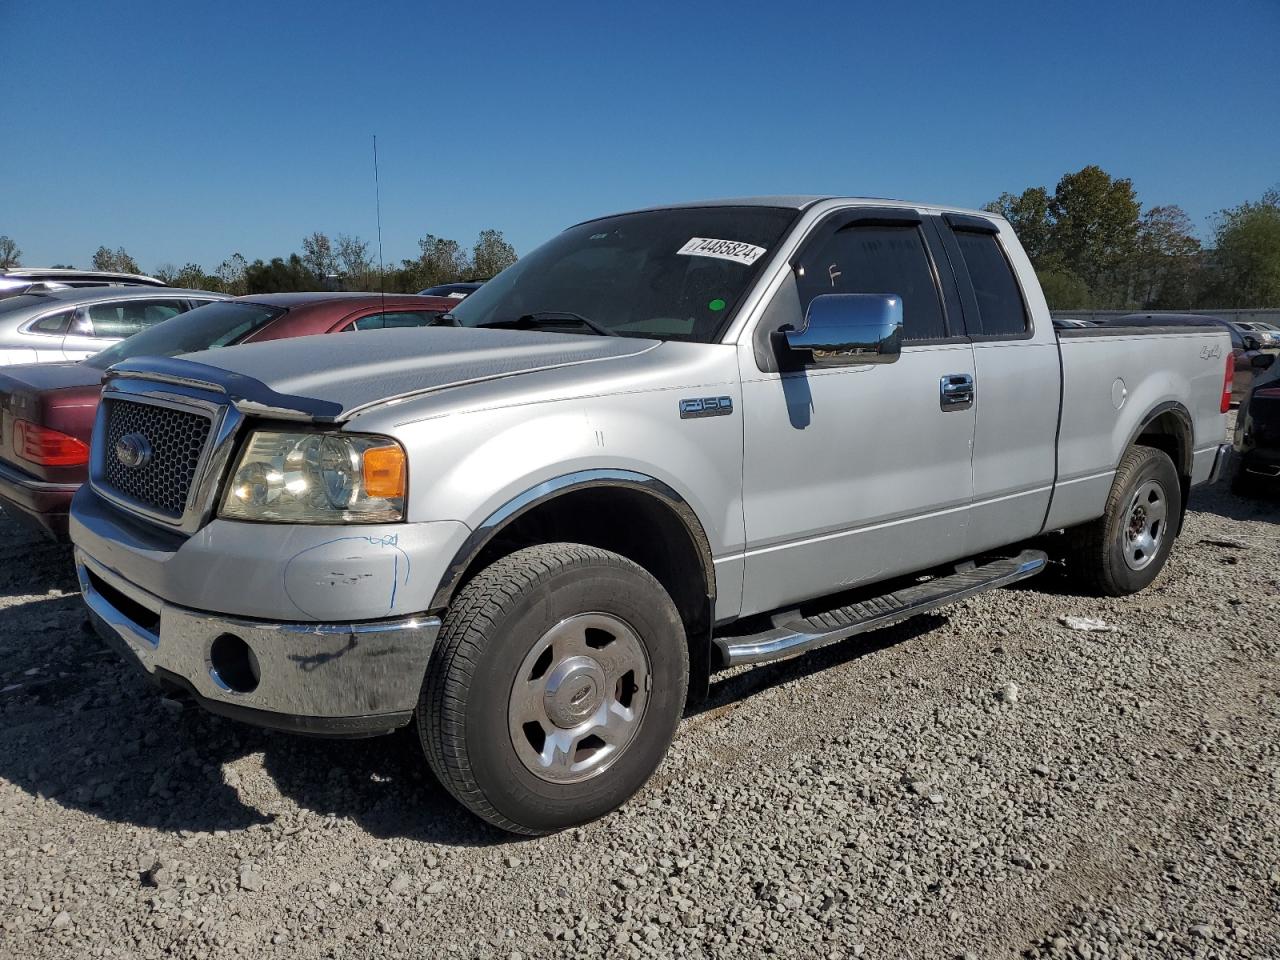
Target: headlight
(317, 478)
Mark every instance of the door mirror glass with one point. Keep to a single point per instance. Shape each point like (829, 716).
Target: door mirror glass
(1263, 361)
(1252, 343)
(847, 329)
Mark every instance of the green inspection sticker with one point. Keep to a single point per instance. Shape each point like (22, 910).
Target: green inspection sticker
(716, 304)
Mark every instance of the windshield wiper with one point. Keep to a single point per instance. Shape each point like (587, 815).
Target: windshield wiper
(550, 318)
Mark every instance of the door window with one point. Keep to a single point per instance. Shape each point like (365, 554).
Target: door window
(115, 321)
(1001, 312)
(877, 259)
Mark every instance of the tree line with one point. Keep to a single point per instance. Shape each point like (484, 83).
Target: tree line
(324, 263)
(1094, 247)
(1090, 240)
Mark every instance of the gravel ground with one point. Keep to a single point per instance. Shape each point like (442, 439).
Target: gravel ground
(981, 783)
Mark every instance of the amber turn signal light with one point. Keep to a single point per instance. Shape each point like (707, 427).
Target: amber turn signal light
(384, 471)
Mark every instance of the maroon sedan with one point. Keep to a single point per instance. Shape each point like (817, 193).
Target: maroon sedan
(47, 409)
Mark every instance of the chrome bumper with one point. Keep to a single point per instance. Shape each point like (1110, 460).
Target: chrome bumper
(330, 679)
(1220, 461)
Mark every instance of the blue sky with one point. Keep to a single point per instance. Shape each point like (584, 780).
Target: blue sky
(186, 131)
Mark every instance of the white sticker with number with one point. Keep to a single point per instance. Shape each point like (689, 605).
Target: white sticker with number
(744, 253)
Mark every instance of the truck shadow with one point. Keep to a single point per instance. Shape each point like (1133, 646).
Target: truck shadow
(1218, 499)
(89, 733)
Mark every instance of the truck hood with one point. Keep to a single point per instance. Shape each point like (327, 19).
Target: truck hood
(332, 377)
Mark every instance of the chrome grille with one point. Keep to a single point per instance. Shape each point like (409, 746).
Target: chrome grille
(176, 440)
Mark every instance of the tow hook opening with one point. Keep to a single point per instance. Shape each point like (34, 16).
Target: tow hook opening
(233, 665)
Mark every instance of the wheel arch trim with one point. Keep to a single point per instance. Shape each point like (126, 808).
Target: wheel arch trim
(1185, 421)
(560, 486)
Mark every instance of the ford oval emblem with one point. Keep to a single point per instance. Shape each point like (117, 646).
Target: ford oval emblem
(133, 450)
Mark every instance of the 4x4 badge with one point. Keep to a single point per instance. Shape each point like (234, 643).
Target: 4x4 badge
(706, 407)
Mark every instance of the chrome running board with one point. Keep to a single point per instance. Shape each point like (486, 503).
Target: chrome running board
(802, 635)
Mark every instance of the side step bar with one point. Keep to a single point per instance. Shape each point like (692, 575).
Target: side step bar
(799, 636)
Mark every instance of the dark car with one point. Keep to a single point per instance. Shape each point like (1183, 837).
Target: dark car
(454, 291)
(1257, 437)
(1244, 347)
(47, 409)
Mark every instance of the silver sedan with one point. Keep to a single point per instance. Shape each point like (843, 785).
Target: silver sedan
(72, 324)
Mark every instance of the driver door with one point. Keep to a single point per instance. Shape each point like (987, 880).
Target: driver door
(854, 474)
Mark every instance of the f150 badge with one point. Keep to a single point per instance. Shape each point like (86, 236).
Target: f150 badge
(692, 409)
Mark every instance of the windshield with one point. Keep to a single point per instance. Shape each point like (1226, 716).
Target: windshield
(204, 328)
(668, 274)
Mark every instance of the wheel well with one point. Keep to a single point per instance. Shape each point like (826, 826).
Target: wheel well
(636, 525)
(1170, 431)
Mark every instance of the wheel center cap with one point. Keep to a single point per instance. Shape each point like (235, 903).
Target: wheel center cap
(575, 690)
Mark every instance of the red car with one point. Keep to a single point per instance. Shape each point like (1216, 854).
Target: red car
(47, 409)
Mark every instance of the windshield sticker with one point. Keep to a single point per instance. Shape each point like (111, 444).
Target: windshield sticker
(717, 304)
(744, 253)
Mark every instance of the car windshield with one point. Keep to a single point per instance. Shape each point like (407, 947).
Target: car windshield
(674, 274)
(204, 328)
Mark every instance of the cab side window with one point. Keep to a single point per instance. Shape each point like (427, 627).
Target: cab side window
(877, 259)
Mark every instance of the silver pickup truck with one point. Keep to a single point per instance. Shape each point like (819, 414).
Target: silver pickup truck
(663, 443)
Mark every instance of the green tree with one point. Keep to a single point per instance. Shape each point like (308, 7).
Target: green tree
(10, 254)
(491, 254)
(317, 254)
(1064, 290)
(1167, 259)
(1028, 213)
(442, 261)
(355, 264)
(231, 275)
(117, 260)
(280, 276)
(1095, 230)
(1245, 262)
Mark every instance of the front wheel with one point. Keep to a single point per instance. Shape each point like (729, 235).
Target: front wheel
(555, 687)
(1124, 550)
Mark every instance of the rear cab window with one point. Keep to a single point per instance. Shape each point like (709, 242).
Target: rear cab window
(214, 325)
(1001, 311)
(392, 318)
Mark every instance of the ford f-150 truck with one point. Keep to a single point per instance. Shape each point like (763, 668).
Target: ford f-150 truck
(664, 442)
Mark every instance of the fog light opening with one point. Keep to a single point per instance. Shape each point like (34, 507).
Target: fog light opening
(233, 665)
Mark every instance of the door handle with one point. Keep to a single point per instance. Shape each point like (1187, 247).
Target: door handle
(956, 391)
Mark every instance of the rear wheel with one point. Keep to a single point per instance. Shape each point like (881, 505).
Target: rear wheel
(1124, 550)
(555, 687)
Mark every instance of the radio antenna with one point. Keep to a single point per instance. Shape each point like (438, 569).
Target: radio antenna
(377, 202)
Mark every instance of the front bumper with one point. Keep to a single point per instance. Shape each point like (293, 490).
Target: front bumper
(36, 503)
(330, 679)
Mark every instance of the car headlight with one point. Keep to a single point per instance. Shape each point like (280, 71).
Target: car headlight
(317, 478)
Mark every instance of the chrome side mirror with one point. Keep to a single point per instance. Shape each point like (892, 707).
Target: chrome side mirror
(848, 329)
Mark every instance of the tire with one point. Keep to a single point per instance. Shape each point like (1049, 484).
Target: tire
(564, 620)
(1105, 557)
